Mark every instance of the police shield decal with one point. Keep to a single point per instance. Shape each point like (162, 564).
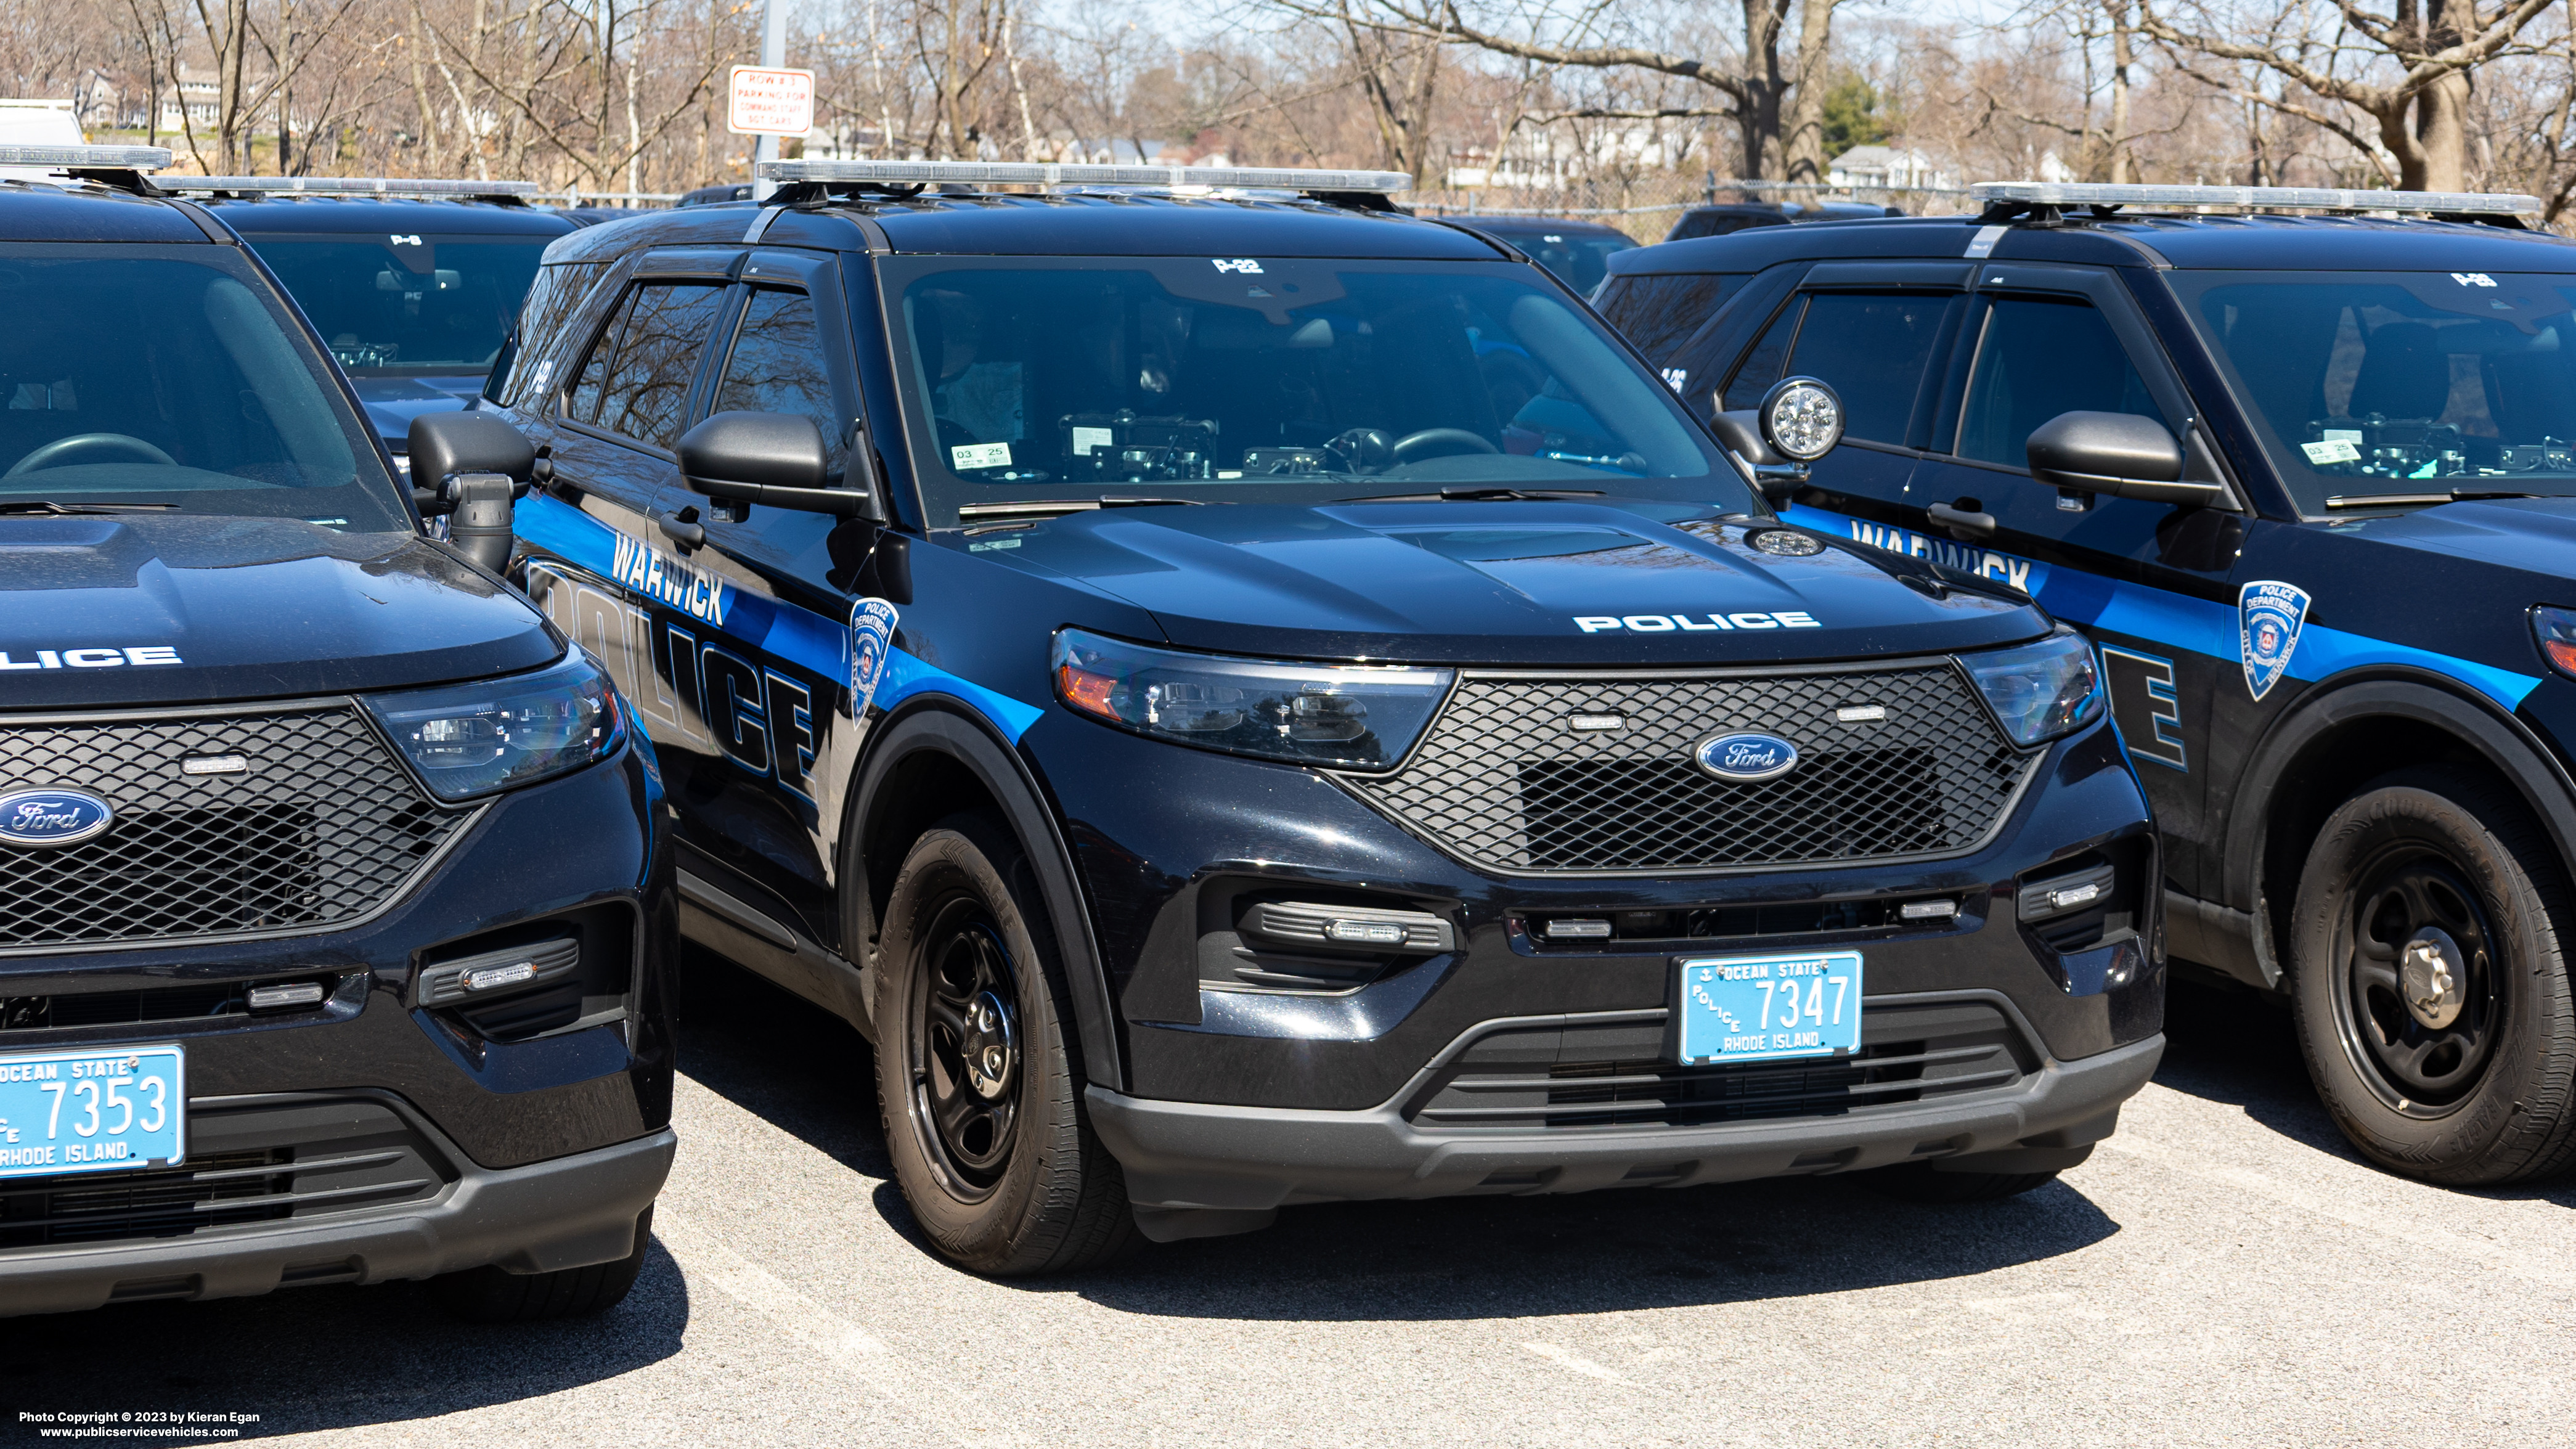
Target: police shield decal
(2269, 616)
(871, 636)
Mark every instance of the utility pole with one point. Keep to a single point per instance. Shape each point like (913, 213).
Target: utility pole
(773, 55)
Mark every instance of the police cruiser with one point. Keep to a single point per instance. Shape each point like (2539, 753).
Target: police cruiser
(334, 883)
(1253, 698)
(2301, 464)
(413, 283)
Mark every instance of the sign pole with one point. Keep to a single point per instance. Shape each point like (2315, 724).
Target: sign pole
(773, 56)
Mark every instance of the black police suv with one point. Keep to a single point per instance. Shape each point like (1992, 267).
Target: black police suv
(2306, 481)
(336, 891)
(1578, 252)
(1723, 218)
(1252, 698)
(413, 284)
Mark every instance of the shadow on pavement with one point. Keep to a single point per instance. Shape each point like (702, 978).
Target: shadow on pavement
(323, 1358)
(2238, 1048)
(806, 1072)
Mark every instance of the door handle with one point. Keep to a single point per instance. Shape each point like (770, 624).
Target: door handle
(1960, 520)
(682, 528)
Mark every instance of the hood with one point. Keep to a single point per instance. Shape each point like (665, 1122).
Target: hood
(392, 402)
(148, 610)
(1524, 582)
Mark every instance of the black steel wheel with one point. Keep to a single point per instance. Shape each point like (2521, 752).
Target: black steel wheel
(979, 1079)
(963, 1044)
(2430, 981)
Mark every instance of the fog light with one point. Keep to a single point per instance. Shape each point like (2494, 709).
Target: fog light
(1369, 933)
(1578, 930)
(285, 996)
(2075, 895)
(488, 977)
(1928, 910)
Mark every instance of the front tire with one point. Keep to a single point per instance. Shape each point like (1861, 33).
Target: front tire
(977, 1081)
(2429, 980)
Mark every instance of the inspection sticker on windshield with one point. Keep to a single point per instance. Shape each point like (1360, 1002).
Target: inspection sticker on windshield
(969, 456)
(2332, 450)
(1760, 1008)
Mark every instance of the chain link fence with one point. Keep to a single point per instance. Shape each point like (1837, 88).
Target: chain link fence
(1645, 205)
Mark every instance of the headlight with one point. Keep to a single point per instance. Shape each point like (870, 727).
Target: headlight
(1354, 716)
(2040, 691)
(473, 739)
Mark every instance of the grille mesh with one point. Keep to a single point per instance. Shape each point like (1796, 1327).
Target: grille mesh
(1503, 781)
(323, 827)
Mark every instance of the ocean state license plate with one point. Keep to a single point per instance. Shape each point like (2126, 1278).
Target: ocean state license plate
(1757, 1008)
(108, 1109)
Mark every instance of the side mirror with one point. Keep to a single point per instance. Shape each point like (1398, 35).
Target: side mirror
(772, 458)
(2121, 454)
(470, 466)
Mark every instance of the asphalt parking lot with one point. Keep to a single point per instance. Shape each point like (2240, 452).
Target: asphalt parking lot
(2225, 1271)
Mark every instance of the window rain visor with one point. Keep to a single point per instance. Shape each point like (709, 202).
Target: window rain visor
(419, 304)
(1349, 716)
(2040, 691)
(2406, 383)
(1263, 380)
(473, 739)
(174, 376)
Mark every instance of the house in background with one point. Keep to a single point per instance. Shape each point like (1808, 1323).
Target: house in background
(1869, 167)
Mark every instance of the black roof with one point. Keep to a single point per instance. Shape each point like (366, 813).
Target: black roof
(42, 211)
(272, 215)
(1112, 224)
(2249, 242)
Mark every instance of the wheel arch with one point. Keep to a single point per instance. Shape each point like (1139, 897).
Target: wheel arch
(936, 756)
(2347, 732)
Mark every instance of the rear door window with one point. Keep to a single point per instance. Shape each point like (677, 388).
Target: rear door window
(636, 380)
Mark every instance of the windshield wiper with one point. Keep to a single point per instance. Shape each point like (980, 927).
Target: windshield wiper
(2455, 495)
(1474, 495)
(1057, 507)
(50, 507)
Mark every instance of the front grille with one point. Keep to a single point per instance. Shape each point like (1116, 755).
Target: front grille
(1604, 1075)
(245, 1165)
(321, 829)
(1503, 781)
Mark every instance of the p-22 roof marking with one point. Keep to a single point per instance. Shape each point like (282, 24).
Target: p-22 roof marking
(778, 630)
(2203, 626)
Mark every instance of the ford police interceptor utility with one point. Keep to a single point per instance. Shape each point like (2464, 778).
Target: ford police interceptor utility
(413, 283)
(2301, 463)
(335, 889)
(1252, 698)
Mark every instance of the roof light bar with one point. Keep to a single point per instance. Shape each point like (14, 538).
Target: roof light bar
(348, 185)
(2248, 198)
(87, 158)
(1046, 173)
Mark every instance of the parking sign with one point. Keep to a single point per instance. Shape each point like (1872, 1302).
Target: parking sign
(770, 101)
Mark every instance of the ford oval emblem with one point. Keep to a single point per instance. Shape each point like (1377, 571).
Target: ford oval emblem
(1747, 759)
(52, 817)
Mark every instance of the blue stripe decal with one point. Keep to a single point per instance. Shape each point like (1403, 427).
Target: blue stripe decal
(781, 631)
(2203, 626)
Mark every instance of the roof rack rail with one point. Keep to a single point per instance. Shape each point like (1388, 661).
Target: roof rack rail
(1073, 174)
(87, 158)
(347, 186)
(2056, 194)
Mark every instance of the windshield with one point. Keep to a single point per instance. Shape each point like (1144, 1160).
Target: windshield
(140, 375)
(2403, 383)
(416, 303)
(1260, 380)
(1580, 258)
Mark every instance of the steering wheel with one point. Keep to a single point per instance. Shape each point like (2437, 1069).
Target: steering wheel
(1439, 443)
(59, 453)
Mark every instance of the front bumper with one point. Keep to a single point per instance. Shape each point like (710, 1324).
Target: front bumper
(568, 1212)
(1192, 1156)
